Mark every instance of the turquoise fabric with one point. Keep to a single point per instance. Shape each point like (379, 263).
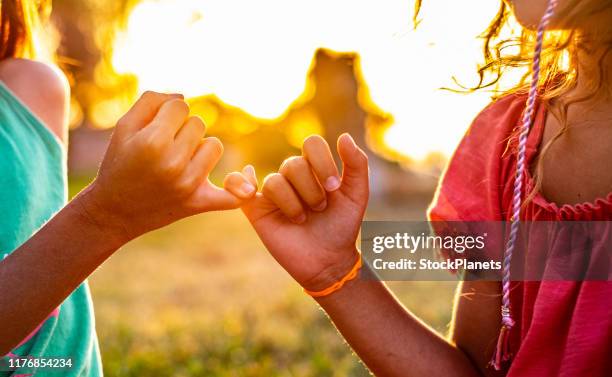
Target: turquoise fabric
(32, 189)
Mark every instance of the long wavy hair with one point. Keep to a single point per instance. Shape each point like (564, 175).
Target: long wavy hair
(503, 52)
(19, 22)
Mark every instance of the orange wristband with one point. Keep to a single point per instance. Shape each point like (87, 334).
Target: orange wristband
(352, 274)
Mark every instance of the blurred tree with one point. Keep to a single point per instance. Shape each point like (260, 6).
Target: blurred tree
(335, 100)
(87, 29)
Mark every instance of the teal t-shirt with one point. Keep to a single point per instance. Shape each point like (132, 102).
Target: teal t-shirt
(32, 189)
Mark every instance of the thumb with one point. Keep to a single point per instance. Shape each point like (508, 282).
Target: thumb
(355, 173)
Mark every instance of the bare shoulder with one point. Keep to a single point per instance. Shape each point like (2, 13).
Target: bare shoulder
(41, 87)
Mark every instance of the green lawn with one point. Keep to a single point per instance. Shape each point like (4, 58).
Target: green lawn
(203, 298)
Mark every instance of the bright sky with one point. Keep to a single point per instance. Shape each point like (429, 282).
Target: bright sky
(255, 55)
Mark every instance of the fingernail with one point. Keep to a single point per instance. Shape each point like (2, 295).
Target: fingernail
(247, 188)
(321, 206)
(176, 95)
(249, 169)
(300, 219)
(332, 183)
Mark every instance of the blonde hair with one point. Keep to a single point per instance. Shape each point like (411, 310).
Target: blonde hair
(559, 60)
(19, 22)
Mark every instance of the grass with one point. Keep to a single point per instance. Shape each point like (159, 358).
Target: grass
(203, 298)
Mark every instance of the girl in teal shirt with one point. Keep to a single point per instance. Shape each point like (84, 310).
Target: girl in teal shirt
(154, 173)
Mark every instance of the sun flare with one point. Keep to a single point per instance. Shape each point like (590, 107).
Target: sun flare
(255, 55)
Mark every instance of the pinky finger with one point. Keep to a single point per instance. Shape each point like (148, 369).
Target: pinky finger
(240, 185)
(218, 199)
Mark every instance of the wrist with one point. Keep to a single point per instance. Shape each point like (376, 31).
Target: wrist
(108, 222)
(335, 272)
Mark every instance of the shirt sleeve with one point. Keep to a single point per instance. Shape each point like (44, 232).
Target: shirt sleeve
(468, 200)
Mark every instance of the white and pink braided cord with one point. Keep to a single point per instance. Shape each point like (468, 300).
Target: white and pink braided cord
(502, 352)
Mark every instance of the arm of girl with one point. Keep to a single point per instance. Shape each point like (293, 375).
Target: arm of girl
(155, 172)
(309, 217)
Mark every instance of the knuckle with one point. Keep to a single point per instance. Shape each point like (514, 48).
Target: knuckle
(122, 122)
(313, 141)
(197, 125)
(293, 165)
(154, 144)
(171, 168)
(149, 95)
(185, 186)
(179, 105)
(215, 144)
(196, 121)
(273, 182)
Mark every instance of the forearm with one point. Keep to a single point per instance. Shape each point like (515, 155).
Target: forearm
(389, 339)
(154, 172)
(41, 273)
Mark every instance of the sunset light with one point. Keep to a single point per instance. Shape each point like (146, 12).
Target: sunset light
(255, 55)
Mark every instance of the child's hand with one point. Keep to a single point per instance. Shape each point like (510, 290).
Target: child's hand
(155, 170)
(307, 216)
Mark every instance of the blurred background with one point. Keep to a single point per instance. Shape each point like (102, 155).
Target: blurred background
(202, 297)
